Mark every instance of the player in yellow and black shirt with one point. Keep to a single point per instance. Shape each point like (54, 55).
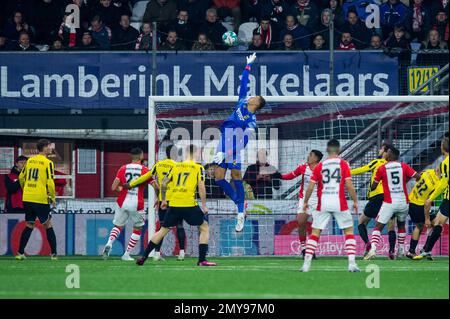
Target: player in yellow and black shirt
(442, 216)
(160, 170)
(185, 178)
(37, 181)
(419, 194)
(375, 197)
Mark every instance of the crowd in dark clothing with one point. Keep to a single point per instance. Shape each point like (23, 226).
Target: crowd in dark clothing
(197, 24)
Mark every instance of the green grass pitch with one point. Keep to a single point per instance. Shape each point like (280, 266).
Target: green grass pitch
(39, 277)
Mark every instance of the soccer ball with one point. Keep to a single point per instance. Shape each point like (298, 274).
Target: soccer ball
(229, 38)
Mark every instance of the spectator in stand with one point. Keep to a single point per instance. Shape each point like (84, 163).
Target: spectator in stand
(172, 43)
(145, 39)
(162, 11)
(57, 45)
(257, 43)
(214, 29)
(288, 43)
(306, 13)
(338, 13)
(124, 36)
(262, 177)
(24, 43)
(123, 6)
(357, 28)
(3, 42)
(229, 8)
(212, 189)
(100, 33)
(266, 31)
(251, 10)
(298, 32)
(441, 24)
(433, 42)
(392, 13)
(276, 10)
(184, 28)
(47, 19)
(69, 35)
(359, 7)
(203, 43)
(398, 45)
(13, 200)
(196, 10)
(108, 13)
(87, 43)
(376, 43)
(346, 43)
(17, 25)
(319, 43)
(324, 25)
(418, 20)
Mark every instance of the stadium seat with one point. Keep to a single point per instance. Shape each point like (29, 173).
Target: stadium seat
(245, 32)
(136, 25)
(228, 26)
(138, 11)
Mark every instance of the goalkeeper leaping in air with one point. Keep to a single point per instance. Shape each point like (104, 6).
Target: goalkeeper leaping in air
(235, 133)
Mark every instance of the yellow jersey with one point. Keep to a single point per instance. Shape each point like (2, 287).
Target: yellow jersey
(37, 180)
(160, 170)
(423, 187)
(371, 167)
(184, 177)
(442, 187)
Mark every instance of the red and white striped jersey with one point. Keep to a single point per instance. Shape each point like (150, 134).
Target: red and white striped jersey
(305, 171)
(393, 176)
(132, 199)
(330, 176)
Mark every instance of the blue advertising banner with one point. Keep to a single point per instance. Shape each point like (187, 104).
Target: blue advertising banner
(123, 80)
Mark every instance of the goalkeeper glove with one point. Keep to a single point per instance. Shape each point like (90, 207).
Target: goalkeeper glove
(251, 59)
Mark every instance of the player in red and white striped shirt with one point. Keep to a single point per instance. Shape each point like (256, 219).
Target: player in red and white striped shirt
(305, 171)
(331, 176)
(393, 175)
(130, 203)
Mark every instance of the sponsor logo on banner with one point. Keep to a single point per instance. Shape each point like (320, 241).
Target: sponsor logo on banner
(418, 75)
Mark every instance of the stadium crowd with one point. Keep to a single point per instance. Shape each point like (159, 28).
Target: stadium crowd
(199, 24)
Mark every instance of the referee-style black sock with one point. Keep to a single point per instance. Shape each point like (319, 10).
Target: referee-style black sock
(26, 233)
(181, 234)
(151, 245)
(392, 240)
(435, 234)
(202, 250)
(362, 229)
(413, 246)
(51, 238)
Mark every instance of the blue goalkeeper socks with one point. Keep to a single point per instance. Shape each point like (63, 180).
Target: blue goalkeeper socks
(228, 189)
(240, 195)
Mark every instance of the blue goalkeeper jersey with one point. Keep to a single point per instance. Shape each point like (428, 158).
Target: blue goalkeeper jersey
(241, 117)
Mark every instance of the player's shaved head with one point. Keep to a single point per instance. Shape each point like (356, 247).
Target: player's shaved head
(393, 153)
(136, 154)
(333, 146)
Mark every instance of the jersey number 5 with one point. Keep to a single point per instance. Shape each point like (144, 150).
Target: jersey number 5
(395, 178)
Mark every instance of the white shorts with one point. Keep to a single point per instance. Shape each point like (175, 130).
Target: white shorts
(122, 215)
(311, 207)
(321, 219)
(389, 210)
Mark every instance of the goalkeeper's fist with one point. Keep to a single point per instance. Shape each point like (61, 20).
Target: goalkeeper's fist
(251, 58)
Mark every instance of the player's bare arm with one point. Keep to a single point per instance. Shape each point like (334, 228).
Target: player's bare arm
(308, 195)
(115, 186)
(374, 185)
(164, 184)
(352, 193)
(202, 194)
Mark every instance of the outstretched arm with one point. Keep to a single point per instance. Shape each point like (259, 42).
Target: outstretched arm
(245, 76)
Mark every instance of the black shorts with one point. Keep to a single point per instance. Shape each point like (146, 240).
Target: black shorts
(373, 206)
(175, 215)
(162, 215)
(417, 213)
(444, 207)
(36, 210)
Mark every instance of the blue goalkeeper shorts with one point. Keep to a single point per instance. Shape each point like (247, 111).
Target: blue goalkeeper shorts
(233, 155)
